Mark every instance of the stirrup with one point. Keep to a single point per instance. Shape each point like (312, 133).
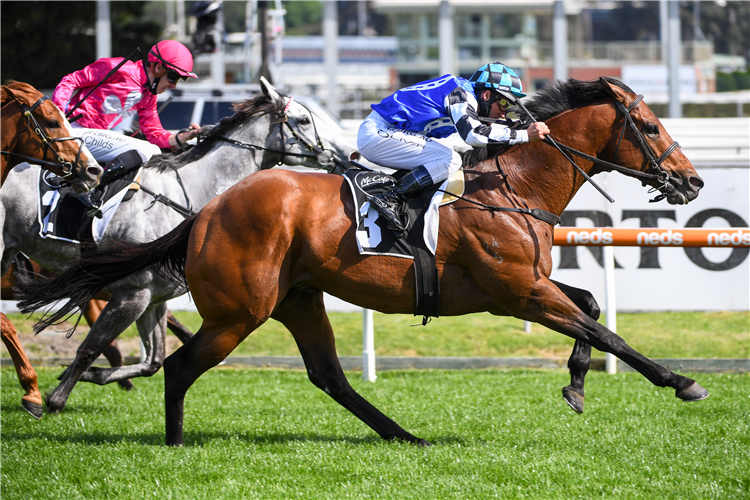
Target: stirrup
(85, 200)
(387, 205)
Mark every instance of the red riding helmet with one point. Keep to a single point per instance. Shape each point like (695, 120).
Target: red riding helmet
(174, 56)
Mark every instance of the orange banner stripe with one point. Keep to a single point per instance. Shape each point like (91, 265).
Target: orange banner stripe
(734, 237)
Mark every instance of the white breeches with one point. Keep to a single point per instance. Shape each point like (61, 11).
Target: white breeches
(383, 144)
(106, 145)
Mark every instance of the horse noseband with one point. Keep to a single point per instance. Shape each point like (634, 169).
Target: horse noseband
(66, 166)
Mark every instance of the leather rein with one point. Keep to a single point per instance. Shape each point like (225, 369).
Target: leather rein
(66, 167)
(324, 157)
(656, 172)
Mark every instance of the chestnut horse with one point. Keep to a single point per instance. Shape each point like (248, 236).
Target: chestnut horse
(270, 246)
(34, 130)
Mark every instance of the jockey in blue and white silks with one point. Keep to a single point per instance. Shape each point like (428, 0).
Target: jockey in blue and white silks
(420, 128)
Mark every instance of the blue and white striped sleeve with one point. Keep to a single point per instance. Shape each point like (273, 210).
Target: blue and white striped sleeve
(462, 107)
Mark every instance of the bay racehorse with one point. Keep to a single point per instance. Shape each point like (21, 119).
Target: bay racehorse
(35, 130)
(266, 129)
(270, 246)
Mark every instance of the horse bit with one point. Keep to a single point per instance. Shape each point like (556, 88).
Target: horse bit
(66, 166)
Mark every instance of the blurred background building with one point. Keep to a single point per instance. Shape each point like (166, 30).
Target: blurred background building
(349, 54)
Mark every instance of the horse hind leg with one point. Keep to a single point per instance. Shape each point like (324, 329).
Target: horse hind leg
(580, 359)
(32, 399)
(123, 309)
(152, 329)
(112, 351)
(207, 348)
(303, 313)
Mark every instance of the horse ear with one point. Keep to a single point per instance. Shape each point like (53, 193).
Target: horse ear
(5, 95)
(268, 89)
(613, 90)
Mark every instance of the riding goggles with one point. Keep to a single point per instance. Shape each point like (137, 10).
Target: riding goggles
(174, 77)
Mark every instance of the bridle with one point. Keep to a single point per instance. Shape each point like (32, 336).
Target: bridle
(67, 168)
(324, 157)
(654, 172)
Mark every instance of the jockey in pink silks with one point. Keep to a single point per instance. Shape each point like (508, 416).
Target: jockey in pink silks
(131, 89)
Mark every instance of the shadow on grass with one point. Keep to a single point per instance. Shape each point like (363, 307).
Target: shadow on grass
(200, 438)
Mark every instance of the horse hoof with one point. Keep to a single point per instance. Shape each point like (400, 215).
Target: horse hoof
(423, 443)
(125, 384)
(51, 406)
(573, 399)
(34, 409)
(693, 393)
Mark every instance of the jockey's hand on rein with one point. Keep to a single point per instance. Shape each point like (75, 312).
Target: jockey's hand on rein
(537, 131)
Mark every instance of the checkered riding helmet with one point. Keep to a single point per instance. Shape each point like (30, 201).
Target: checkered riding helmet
(498, 77)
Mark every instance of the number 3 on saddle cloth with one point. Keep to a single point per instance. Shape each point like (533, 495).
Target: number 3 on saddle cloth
(420, 239)
(61, 216)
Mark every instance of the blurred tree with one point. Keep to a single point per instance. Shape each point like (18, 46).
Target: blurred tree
(303, 18)
(727, 24)
(43, 41)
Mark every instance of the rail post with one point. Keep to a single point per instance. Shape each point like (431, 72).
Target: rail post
(611, 301)
(368, 341)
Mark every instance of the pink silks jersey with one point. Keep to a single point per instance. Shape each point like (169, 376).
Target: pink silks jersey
(121, 96)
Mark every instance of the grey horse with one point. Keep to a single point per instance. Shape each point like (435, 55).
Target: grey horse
(265, 130)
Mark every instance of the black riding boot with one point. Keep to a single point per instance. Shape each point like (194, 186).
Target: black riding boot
(388, 203)
(85, 199)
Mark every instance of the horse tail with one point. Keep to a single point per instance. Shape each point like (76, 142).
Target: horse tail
(99, 268)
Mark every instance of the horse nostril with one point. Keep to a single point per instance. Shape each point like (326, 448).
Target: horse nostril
(696, 182)
(354, 156)
(95, 171)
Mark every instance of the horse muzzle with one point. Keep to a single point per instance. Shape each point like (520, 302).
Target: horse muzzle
(87, 177)
(682, 190)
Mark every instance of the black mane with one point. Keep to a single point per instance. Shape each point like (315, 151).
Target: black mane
(259, 104)
(550, 101)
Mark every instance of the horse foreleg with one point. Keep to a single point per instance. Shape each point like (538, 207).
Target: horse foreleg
(580, 359)
(303, 313)
(555, 311)
(111, 352)
(32, 400)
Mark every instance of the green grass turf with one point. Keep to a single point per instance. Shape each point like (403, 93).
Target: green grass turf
(655, 335)
(270, 434)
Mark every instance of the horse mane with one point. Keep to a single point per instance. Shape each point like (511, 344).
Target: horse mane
(551, 101)
(259, 104)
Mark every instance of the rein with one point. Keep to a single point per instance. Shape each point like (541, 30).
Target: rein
(324, 157)
(160, 198)
(654, 165)
(66, 167)
(657, 173)
(537, 213)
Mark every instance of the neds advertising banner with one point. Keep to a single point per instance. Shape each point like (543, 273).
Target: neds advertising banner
(663, 278)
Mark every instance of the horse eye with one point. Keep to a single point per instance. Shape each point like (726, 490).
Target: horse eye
(304, 121)
(53, 124)
(651, 129)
